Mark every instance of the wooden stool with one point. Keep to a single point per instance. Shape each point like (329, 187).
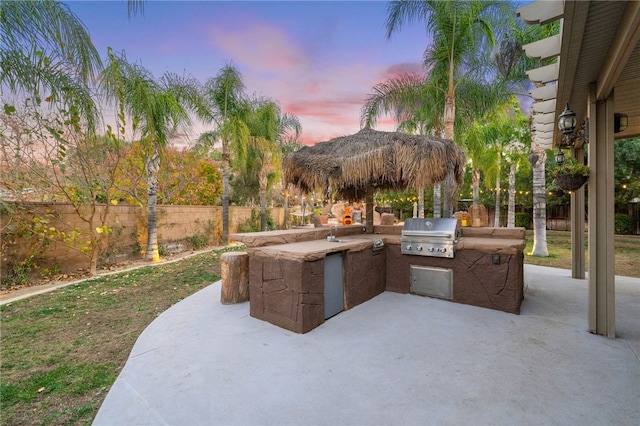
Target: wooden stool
(234, 268)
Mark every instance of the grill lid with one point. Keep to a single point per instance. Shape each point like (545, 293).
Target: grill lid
(443, 228)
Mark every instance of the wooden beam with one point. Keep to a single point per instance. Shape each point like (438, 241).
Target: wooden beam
(541, 12)
(543, 49)
(627, 35)
(601, 216)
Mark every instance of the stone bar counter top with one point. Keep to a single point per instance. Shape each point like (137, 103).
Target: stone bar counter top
(286, 270)
(307, 251)
(287, 236)
(312, 242)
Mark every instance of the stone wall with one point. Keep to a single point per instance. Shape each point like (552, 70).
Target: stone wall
(489, 280)
(287, 293)
(127, 224)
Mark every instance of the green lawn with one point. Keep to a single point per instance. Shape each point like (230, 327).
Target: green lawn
(627, 252)
(62, 351)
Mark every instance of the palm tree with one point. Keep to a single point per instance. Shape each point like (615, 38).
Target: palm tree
(404, 96)
(459, 30)
(157, 109)
(506, 137)
(226, 108)
(46, 52)
(417, 103)
(268, 127)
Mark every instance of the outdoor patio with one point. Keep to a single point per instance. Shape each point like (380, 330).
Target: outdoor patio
(397, 359)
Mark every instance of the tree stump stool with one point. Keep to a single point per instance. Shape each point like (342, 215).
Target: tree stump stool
(234, 268)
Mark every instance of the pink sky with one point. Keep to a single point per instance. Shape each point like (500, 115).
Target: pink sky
(319, 60)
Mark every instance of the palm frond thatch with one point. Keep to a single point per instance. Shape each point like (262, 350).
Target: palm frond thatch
(350, 165)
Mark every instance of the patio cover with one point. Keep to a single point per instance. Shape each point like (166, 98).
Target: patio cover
(354, 166)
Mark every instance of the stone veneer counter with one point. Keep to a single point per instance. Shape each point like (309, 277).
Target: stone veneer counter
(286, 270)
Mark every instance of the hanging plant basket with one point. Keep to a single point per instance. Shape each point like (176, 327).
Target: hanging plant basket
(570, 182)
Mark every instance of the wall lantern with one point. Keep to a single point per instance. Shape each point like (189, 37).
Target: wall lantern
(567, 121)
(620, 122)
(559, 157)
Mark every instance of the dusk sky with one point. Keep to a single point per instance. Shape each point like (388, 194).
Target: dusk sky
(318, 59)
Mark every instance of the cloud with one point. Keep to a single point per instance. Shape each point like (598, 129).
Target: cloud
(326, 94)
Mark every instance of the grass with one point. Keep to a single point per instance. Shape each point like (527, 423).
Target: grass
(627, 253)
(62, 351)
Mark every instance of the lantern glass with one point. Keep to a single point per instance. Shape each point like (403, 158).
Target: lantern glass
(559, 157)
(567, 121)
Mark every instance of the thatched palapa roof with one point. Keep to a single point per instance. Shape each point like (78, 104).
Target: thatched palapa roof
(351, 165)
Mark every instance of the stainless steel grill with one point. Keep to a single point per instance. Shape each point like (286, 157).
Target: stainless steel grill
(430, 237)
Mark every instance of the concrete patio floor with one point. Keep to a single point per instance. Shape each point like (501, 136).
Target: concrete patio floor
(394, 360)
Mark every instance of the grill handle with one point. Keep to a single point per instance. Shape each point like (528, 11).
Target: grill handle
(427, 234)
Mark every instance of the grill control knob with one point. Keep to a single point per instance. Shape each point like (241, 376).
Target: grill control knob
(443, 249)
(408, 247)
(419, 248)
(430, 248)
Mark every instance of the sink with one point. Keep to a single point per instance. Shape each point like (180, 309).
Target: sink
(335, 240)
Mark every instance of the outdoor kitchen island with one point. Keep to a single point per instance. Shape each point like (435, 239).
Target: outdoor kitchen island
(295, 275)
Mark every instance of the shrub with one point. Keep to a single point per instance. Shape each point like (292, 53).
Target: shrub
(623, 224)
(198, 241)
(252, 224)
(523, 220)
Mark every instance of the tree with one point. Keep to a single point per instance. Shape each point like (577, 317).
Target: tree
(268, 127)
(50, 154)
(405, 97)
(46, 53)
(226, 107)
(502, 134)
(460, 30)
(157, 109)
(186, 179)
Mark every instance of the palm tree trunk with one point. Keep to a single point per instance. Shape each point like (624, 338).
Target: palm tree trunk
(511, 214)
(263, 201)
(450, 189)
(286, 209)
(437, 200)
(539, 206)
(496, 216)
(152, 165)
(225, 192)
(263, 210)
(475, 180)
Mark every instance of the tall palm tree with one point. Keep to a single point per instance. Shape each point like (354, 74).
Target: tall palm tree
(460, 31)
(416, 104)
(157, 109)
(268, 127)
(226, 108)
(506, 136)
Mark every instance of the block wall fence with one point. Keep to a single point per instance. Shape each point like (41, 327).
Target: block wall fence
(127, 240)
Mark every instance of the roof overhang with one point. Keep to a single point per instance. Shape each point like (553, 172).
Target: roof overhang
(598, 44)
